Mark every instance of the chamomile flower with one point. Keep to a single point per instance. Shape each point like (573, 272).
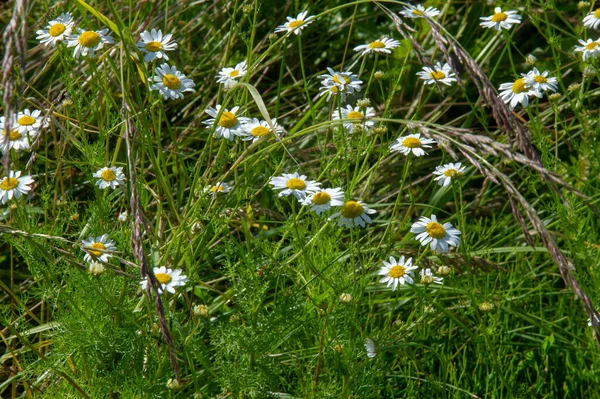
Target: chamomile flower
(516, 93)
(109, 177)
(371, 348)
(446, 173)
(168, 279)
(228, 76)
(154, 45)
(412, 143)
(29, 121)
(592, 20)
(296, 24)
(589, 48)
(397, 272)
(342, 83)
(16, 140)
(357, 117)
(419, 11)
(324, 199)
(438, 236)
(219, 187)
(427, 277)
(87, 42)
(383, 45)
(438, 74)
(254, 129)
(56, 31)
(14, 185)
(540, 81)
(98, 249)
(354, 213)
(501, 19)
(293, 183)
(229, 124)
(170, 82)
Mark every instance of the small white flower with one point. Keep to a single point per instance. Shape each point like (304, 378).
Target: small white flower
(439, 236)
(30, 121)
(324, 199)
(354, 213)
(371, 348)
(501, 19)
(95, 268)
(342, 83)
(168, 279)
(16, 140)
(383, 45)
(122, 216)
(440, 74)
(412, 143)
(87, 42)
(254, 129)
(219, 187)
(592, 20)
(446, 173)
(539, 81)
(427, 277)
(590, 320)
(296, 24)
(101, 243)
(358, 117)
(397, 272)
(109, 177)
(57, 30)
(229, 124)
(516, 93)
(293, 183)
(228, 76)
(419, 11)
(589, 48)
(170, 82)
(14, 185)
(154, 45)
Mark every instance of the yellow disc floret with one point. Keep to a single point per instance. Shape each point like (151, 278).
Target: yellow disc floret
(26, 120)
(437, 75)
(451, 173)
(171, 81)
(234, 73)
(321, 198)
(354, 115)
(295, 184)
(520, 86)
(13, 135)
(153, 46)
(228, 120)
(9, 183)
(295, 24)
(397, 271)
(337, 80)
(591, 46)
(540, 79)
(411, 142)
(499, 17)
(597, 13)
(163, 278)
(352, 210)
(435, 230)
(56, 30)
(97, 245)
(259, 131)
(108, 175)
(377, 44)
(89, 39)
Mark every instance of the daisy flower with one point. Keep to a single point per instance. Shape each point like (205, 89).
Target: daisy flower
(589, 48)
(539, 81)
(14, 185)
(101, 243)
(427, 277)
(228, 76)
(87, 42)
(154, 45)
(516, 93)
(592, 20)
(296, 24)
(412, 143)
(219, 187)
(29, 121)
(397, 272)
(168, 279)
(342, 83)
(419, 11)
(439, 236)
(109, 177)
(354, 213)
(441, 74)
(229, 124)
(371, 348)
(16, 140)
(254, 129)
(357, 116)
(501, 19)
(170, 82)
(57, 30)
(324, 199)
(383, 45)
(293, 183)
(446, 173)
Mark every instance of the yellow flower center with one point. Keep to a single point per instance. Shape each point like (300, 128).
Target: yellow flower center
(411, 142)
(377, 44)
(417, 12)
(499, 17)
(26, 120)
(337, 80)
(435, 230)
(108, 175)
(228, 120)
(234, 73)
(295, 24)
(97, 245)
(259, 131)
(352, 209)
(56, 30)
(591, 46)
(451, 173)
(540, 79)
(9, 183)
(519, 86)
(295, 184)
(89, 39)
(218, 188)
(171, 81)
(597, 13)
(163, 278)
(321, 198)
(426, 279)
(397, 271)
(13, 135)
(153, 46)
(334, 89)
(354, 115)
(437, 75)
